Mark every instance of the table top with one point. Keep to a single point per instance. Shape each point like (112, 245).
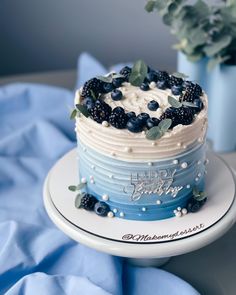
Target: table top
(211, 269)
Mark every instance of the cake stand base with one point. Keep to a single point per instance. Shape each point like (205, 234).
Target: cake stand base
(144, 243)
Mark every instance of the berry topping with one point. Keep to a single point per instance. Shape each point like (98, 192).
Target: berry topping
(107, 87)
(100, 112)
(88, 102)
(153, 105)
(187, 83)
(162, 85)
(151, 122)
(101, 209)
(118, 110)
(144, 86)
(131, 115)
(143, 118)
(88, 202)
(163, 76)
(198, 103)
(117, 82)
(93, 85)
(116, 95)
(194, 89)
(194, 205)
(188, 96)
(176, 90)
(118, 119)
(126, 72)
(182, 115)
(174, 81)
(152, 76)
(134, 125)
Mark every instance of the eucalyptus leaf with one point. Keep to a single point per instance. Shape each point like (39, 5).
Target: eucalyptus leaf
(180, 75)
(72, 188)
(154, 133)
(189, 104)
(195, 191)
(201, 196)
(106, 79)
(80, 186)
(83, 110)
(78, 200)
(73, 114)
(150, 6)
(216, 47)
(138, 73)
(93, 94)
(213, 62)
(174, 102)
(115, 76)
(165, 124)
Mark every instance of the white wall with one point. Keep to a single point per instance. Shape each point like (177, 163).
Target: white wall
(38, 35)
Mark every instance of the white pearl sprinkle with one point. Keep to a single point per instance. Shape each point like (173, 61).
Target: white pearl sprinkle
(184, 165)
(92, 181)
(143, 132)
(115, 210)
(175, 162)
(83, 180)
(149, 163)
(111, 176)
(154, 143)
(128, 149)
(91, 177)
(105, 197)
(144, 209)
(158, 202)
(110, 214)
(105, 124)
(93, 167)
(175, 211)
(179, 144)
(184, 146)
(206, 162)
(122, 214)
(188, 186)
(152, 85)
(178, 214)
(200, 139)
(199, 162)
(196, 179)
(179, 208)
(199, 174)
(184, 211)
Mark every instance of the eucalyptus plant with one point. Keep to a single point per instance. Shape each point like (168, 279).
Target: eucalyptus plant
(202, 30)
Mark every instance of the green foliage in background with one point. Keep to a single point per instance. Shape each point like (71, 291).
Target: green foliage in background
(202, 29)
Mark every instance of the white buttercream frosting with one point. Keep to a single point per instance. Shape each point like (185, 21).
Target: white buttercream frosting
(125, 145)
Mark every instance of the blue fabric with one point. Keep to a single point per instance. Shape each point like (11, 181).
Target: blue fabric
(35, 257)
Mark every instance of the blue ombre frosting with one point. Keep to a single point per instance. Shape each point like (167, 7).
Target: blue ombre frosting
(143, 190)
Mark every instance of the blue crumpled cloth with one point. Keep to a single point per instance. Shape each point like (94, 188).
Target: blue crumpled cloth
(35, 256)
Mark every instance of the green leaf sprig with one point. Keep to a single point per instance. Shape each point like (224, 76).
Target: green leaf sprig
(109, 78)
(157, 132)
(80, 194)
(177, 104)
(138, 73)
(199, 195)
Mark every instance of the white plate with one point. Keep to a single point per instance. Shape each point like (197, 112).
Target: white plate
(119, 236)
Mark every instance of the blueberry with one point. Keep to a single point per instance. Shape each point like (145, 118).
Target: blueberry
(143, 118)
(131, 115)
(118, 110)
(162, 85)
(151, 122)
(152, 76)
(144, 86)
(198, 103)
(176, 89)
(153, 105)
(116, 94)
(101, 208)
(89, 102)
(117, 82)
(107, 87)
(133, 125)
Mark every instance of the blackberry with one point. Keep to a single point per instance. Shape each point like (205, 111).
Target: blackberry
(188, 96)
(170, 114)
(93, 84)
(163, 76)
(88, 202)
(125, 72)
(184, 115)
(118, 119)
(194, 88)
(100, 112)
(174, 81)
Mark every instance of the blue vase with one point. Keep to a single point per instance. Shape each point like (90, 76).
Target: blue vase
(220, 86)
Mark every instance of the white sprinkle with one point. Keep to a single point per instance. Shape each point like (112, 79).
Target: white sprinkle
(144, 209)
(154, 143)
(152, 85)
(175, 211)
(184, 146)
(149, 163)
(105, 124)
(184, 211)
(122, 214)
(83, 180)
(91, 177)
(179, 208)
(206, 162)
(92, 181)
(175, 162)
(179, 144)
(105, 197)
(128, 149)
(188, 186)
(93, 167)
(178, 214)
(184, 165)
(199, 162)
(115, 210)
(110, 214)
(196, 179)
(111, 176)
(199, 174)
(143, 132)
(158, 202)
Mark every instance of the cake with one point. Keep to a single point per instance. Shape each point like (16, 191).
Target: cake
(141, 144)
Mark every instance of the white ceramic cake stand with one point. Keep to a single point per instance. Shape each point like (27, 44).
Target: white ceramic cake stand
(143, 242)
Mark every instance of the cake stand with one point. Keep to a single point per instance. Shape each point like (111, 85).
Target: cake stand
(145, 243)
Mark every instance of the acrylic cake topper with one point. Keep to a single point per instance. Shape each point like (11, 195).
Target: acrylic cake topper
(153, 182)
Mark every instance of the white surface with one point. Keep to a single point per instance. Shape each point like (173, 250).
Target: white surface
(221, 189)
